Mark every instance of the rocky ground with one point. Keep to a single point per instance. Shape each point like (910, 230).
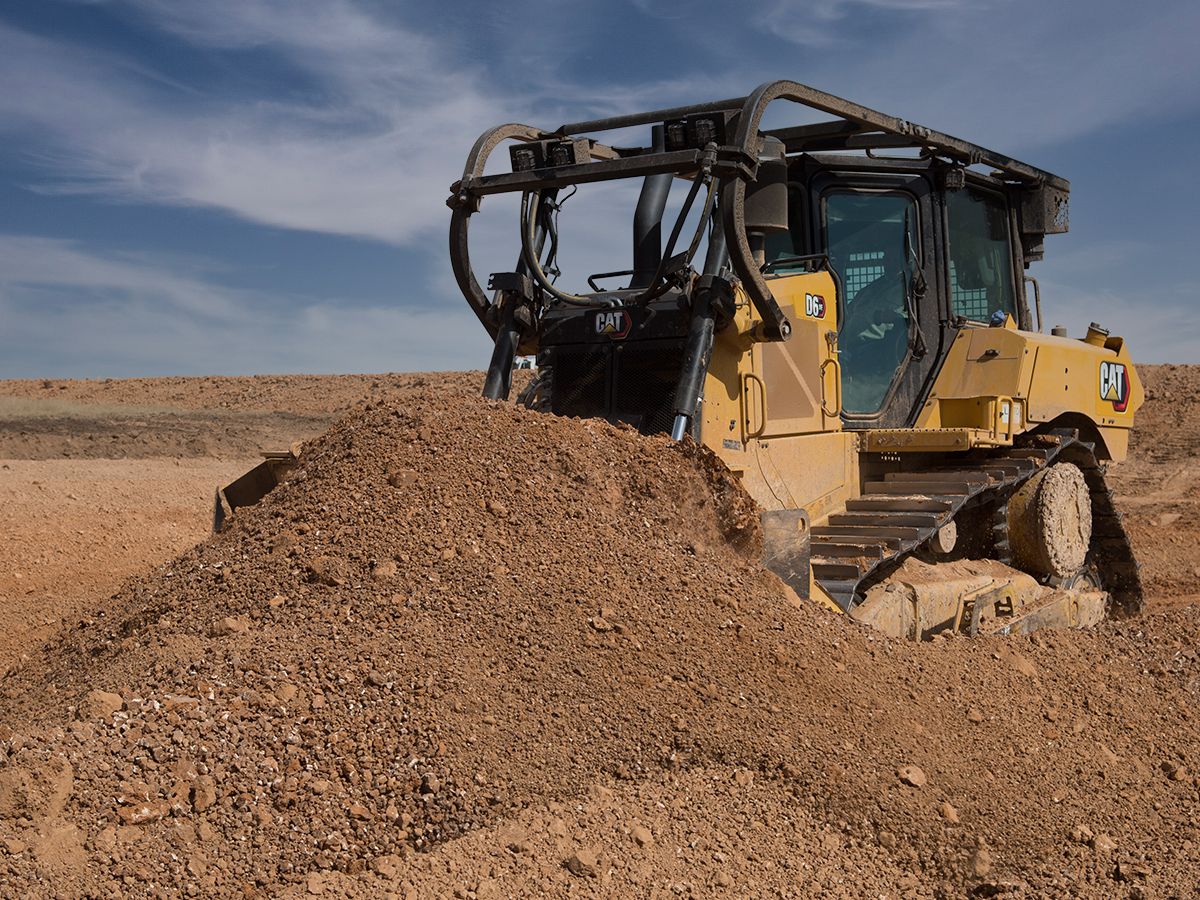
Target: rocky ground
(474, 651)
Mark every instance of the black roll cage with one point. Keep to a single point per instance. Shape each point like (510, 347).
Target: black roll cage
(1043, 206)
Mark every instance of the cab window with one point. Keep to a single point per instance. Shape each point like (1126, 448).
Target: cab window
(870, 236)
(981, 272)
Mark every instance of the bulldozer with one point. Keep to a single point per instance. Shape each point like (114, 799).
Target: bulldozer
(841, 312)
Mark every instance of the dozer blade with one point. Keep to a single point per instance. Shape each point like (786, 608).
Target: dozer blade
(973, 597)
(786, 548)
(250, 488)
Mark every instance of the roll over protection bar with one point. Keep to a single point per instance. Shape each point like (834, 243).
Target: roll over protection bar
(857, 127)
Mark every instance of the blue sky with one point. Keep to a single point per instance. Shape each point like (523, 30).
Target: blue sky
(241, 186)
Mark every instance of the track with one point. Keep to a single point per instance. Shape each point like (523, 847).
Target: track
(898, 514)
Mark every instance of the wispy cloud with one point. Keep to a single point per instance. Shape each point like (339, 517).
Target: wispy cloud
(71, 310)
(820, 23)
(367, 156)
(1018, 75)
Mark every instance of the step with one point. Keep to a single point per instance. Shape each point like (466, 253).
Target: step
(968, 476)
(928, 488)
(907, 503)
(1034, 453)
(837, 547)
(867, 534)
(835, 570)
(888, 519)
(1002, 470)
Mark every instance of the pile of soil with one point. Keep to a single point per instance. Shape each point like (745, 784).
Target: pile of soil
(473, 650)
(1159, 487)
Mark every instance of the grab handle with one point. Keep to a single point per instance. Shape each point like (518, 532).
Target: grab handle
(762, 394)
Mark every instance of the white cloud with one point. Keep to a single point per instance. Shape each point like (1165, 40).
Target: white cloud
(138, 316)
(372, 156)
(1017, 75)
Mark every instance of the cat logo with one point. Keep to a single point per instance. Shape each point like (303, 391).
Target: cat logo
(613, 323)
(1114, 385)
(814, 306)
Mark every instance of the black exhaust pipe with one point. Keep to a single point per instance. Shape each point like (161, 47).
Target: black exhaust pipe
(647, 221)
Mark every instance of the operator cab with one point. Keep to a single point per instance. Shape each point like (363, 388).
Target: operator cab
(915, 261)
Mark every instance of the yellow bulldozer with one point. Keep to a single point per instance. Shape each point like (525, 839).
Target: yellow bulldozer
(840, 312)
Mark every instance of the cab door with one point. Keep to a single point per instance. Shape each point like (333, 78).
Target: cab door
(878, 231)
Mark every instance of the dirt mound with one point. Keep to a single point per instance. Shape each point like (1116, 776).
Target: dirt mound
(470, 648)
(1159, 486)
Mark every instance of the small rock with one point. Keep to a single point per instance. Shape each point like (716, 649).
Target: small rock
(722, 879)
(100, 705)
(974, 715)
(887, 839)
(204, 793)
(325, 570)
(1081, 834)
(14, 845)
(1102, 843)
(402, 478)
(1021, 664)
(497, 509)
(377, 679)
(233, 625)
(286, 692)
(642, 835)
(514, 839)
(358, 811)
(599, 623)
(277, 601)
(911, 775)
(1131, 871)
(585, 863)
(106, 840)
(949, 813)
(332, 841)
(557, 827)
(319, 786)
(981, 862)
(743, 777)
(388, 866)
(143, 813)
(430, 783)
(173, 702)
(1177, 773)
(384, 569)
